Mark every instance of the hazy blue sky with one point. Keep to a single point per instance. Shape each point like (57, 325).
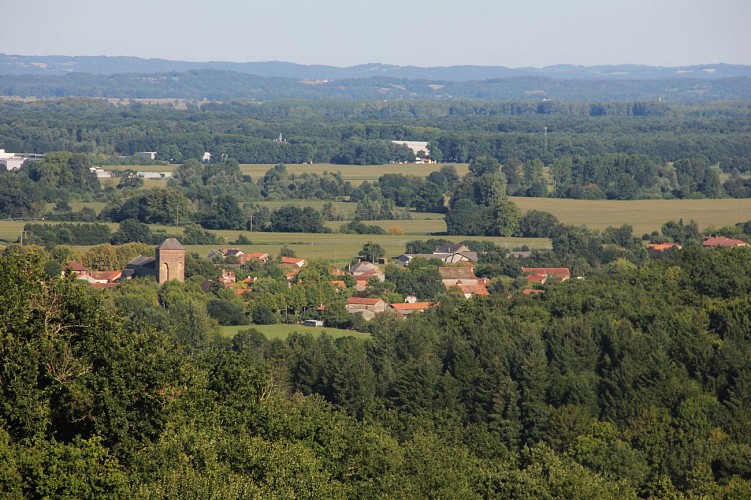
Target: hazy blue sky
(405, 32)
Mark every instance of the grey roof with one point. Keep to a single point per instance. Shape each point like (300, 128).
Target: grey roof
(450, 248)
(171, 244)
(141, 260)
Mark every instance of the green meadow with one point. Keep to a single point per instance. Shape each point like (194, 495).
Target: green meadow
(272, 332)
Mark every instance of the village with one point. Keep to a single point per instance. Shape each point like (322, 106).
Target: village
(365, 289)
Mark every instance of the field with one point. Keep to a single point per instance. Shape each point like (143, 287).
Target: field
(283, 331)
(644, 215)
(356, 174)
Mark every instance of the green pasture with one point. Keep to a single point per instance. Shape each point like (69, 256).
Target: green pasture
(644, 215)
(272, 332)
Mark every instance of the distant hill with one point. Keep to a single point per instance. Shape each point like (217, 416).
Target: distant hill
(103, 65)
(226, 85)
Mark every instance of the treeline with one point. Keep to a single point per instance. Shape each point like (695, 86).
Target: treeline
(226, 85)
(630, 383)
(361, 132)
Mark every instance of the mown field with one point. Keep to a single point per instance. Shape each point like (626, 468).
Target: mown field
(283, 331)
(644, 215)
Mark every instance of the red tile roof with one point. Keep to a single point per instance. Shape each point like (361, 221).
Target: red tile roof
(75, 266)
(473, 289)
(292, 260)
(415, 306)
(106, 275)
(532, 291)
(723, 241)
(103, 285)
(558, 272)
(363, 301)
(661, 247)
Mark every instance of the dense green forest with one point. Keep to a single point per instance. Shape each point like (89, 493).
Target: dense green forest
(360, 132)
(632, 382)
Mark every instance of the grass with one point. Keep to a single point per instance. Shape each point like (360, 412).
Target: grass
(644, 215)
(283, 331)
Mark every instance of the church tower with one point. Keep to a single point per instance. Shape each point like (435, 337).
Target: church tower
(170, 261)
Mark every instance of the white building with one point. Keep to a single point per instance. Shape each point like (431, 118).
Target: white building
(10, 160)
(417, 147)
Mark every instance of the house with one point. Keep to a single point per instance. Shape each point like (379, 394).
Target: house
(260, 256)
(722, 241)
(451, 248)
(149, 155)
(101, 173)
(228, 277)
(293, 262)
(453, 276)
(169, 263)
(363, 267)
(232, 252)
(369, 307)
(419, 148)
(661, 247)
(472, 290)
(206, 158)
(450, 254)
(540, 275)
(243, 257)
(97, 279)
(363, 272)
(408, 308)
(313, 322)
(11, 161)
(76, 270)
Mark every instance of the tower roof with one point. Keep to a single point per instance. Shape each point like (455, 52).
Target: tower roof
(170, 244)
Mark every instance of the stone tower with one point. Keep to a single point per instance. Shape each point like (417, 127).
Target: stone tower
(170, 261)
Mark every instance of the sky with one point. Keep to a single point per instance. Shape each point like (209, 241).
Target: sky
(509, 33)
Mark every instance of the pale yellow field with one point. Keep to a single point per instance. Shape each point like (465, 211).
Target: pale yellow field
(644, 215)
